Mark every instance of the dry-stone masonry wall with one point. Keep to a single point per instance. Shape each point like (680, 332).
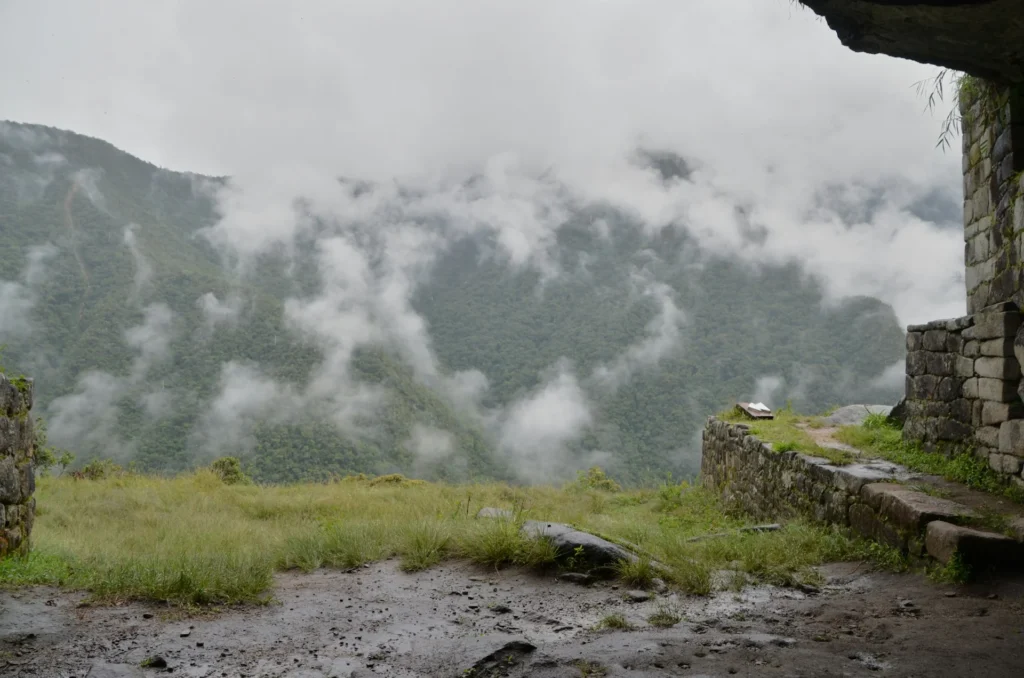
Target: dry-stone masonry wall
(964, 375)
(865, 497)
(993, 157)
(962, 386)
(17, 475)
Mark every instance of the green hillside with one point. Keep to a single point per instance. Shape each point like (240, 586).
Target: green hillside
(67, 262)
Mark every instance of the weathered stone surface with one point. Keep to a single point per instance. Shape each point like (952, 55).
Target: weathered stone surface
(963, 366)
(997, 390)
(996, 413)
(1002, 347)
(993, 325)
(898, 414)
(943, 540)
(909, 509)
(17, 477)
(917, 363)
(997, 368)
(566, 539)
(989, 436)
(1011, 437)
(915, 341)
(1004, 463)
(941, 364)
(972, 349)
(934, 340)
(969, 389)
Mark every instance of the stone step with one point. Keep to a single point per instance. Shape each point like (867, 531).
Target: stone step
(976, 548)
(911, 510)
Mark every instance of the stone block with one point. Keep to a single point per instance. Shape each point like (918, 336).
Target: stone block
(977, 549)
(865, 521)
(935, 340)
(917, 363)
(960, 410)
(1011, 437)
(915, 341)
(942, 364)
(997, 390)
(963, 366)
(909, 509)
(923, 387)
(978, 273)
(969, 389)
(989, 436)
(1005, 463)
(10, 482)
(948, 389)
(997, 368)
(976, 410)
(997, 413)
(993, 325)
(999, 348)
(954, 342)
(950, 429)
(972, 349)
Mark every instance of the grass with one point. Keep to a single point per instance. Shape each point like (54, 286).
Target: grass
(664, 618)
(614, 621)
(195, 540)
(787, 432)
(878, 437)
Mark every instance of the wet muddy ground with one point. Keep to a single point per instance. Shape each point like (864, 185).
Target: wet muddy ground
(459, 620)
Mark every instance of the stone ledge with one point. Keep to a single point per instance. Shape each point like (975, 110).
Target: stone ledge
(976, 548)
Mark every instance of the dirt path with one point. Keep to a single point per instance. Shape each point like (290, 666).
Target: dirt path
(381, 622)
(69, 222)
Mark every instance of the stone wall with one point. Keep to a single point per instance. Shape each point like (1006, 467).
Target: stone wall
(17, 474)
(963, 375)
(868, 498)
(962, 386)
(993, 157)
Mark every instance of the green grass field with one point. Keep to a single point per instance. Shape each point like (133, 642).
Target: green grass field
(194, 540)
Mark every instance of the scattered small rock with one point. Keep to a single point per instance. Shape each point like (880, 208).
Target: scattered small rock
(576, 578)
(186, 633)
(637, 596)
(659, 585)
(501, 609)
(147, 615)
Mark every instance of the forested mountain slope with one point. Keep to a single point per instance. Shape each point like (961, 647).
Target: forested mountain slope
(146, 341)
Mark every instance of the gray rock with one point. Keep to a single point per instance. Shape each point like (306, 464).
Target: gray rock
(568, 540)
(943, 540)
(898, 414)
(105, 670)
(852, 415)
(637, 596)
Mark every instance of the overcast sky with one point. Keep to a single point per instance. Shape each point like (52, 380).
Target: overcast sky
(759, 91)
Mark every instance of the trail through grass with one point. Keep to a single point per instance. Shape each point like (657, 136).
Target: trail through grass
(788, 432)
(194, 540)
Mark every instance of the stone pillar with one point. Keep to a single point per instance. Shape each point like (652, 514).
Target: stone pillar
(993, 157)
(17, 472)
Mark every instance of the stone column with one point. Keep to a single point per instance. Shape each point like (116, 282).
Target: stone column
(17, 472)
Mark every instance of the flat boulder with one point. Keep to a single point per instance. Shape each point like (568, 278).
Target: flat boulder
(570, 541)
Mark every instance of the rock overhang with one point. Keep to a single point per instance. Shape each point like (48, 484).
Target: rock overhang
(982, 37)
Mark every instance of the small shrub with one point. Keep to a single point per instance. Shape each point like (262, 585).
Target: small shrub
(638, 573)
(394, 480)
(785, 446)
(425, 545)
(594, 479)
(99, 469)
(229, 470)
(956, 571)
(614, 621)
(664, 618)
